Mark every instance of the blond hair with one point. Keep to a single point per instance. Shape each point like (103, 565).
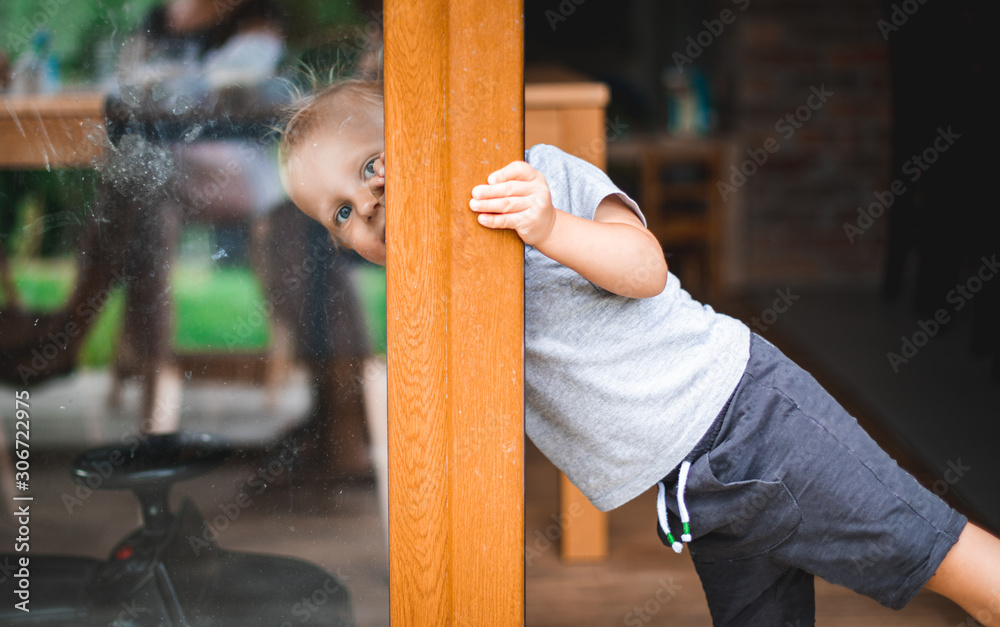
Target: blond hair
(309, 112)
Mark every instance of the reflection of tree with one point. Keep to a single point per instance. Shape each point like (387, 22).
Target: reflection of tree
(78, 26)
(82, 27)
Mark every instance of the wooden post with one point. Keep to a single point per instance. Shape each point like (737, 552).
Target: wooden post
(454, 113)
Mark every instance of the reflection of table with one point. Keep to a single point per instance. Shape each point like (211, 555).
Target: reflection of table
(83, 129)
(45, 131)
(51, 130)
(69, 130)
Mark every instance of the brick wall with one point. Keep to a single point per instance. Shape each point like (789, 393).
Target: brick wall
(808, 90)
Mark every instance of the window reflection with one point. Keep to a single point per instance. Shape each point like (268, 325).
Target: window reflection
(201, 373)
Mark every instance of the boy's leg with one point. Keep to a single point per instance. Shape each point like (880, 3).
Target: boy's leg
(970, 575)
(756, 591)
(793, 479)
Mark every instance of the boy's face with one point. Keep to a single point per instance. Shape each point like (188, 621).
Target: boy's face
(328, 179)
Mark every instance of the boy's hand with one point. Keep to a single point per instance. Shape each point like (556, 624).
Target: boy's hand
(516, 197)
(376, 184)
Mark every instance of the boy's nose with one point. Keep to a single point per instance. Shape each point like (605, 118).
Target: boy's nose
(366, 205)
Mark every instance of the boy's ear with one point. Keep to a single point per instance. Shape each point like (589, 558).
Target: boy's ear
(283, 174)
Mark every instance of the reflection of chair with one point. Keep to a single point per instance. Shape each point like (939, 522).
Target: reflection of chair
(171, 571)
(682, 206)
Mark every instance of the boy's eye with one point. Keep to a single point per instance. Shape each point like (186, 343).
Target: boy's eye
(370, 168)
(342, 214)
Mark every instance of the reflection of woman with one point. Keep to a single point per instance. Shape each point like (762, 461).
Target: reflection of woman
(232, 42)
(185, 51)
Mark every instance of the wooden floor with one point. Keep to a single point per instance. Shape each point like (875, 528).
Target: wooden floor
(644, 583)
(641, 583)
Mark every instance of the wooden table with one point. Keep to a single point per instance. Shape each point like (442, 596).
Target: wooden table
(65, 130)
(71, 129)
(78, 129)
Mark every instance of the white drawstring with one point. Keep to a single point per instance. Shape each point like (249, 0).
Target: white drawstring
(681, 505)
(661, 508)
(661, 512)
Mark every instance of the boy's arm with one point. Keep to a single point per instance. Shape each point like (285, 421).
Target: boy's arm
(614, 250)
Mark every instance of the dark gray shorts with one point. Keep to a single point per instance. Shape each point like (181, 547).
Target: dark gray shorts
(786, 486)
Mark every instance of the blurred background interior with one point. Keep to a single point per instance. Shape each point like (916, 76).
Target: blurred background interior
(819, 170)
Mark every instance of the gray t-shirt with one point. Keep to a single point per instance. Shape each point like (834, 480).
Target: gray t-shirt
(617, 390)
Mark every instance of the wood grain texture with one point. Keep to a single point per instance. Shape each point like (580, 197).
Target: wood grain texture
(455, 315)
(578, 95)
(51, 130)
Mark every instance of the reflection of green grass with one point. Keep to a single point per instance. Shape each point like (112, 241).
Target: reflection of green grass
(43, 286)
(371, 291)
(214, 309)
(217, 310)
(102, 339)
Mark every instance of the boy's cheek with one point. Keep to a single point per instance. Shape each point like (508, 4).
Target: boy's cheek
(373, 253)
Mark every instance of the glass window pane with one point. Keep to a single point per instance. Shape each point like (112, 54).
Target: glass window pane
(192, 375)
